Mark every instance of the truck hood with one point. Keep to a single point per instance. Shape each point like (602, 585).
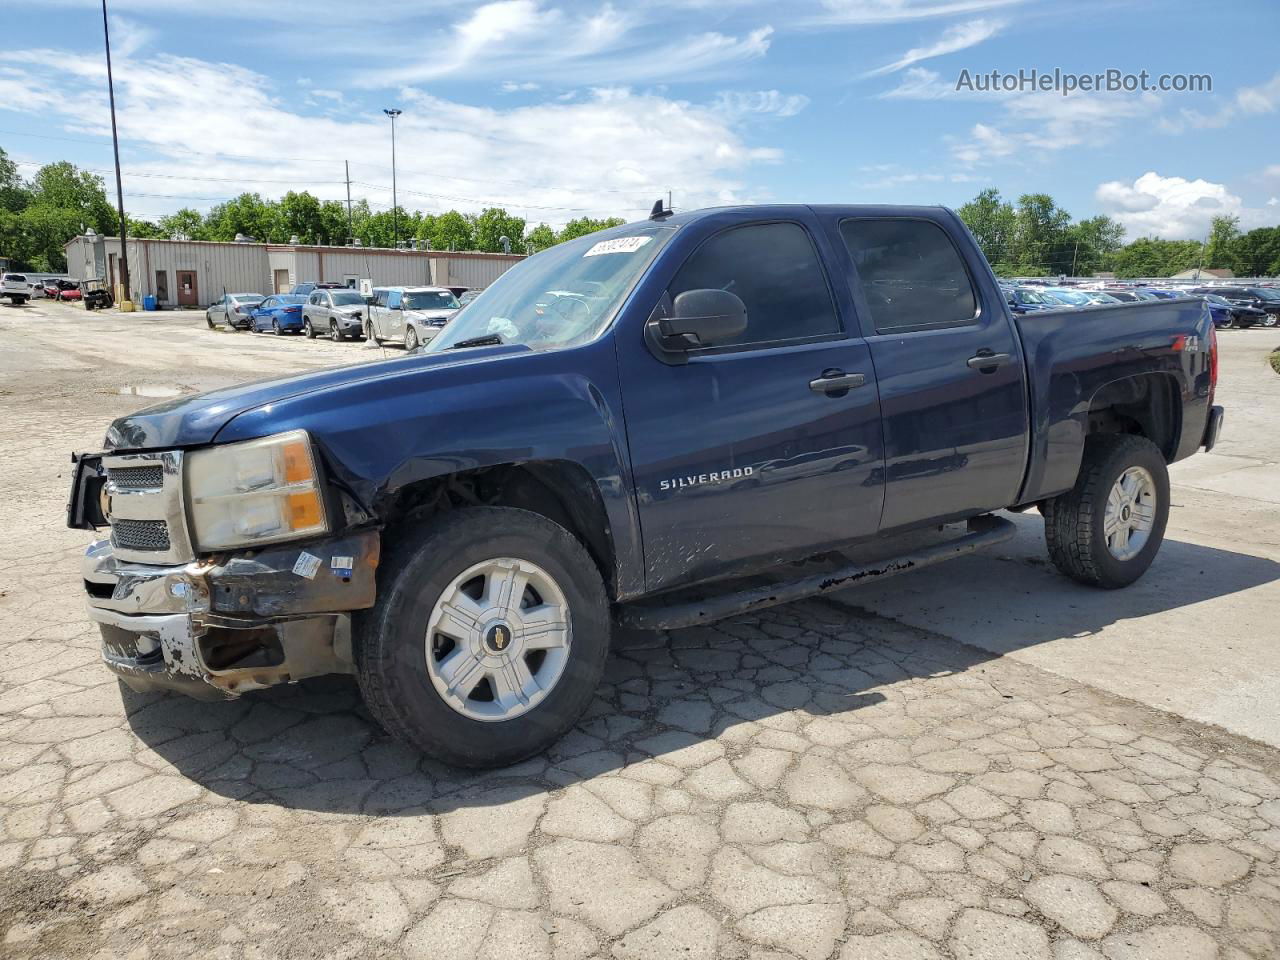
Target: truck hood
(193, 421)
(430, 314)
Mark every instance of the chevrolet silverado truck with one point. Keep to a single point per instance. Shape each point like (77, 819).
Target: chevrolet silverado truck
(661, 424)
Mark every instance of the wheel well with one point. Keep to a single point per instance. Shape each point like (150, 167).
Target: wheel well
(1144, 406)
(559, 490)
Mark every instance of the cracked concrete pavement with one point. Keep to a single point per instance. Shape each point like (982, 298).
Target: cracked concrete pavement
(818, 781)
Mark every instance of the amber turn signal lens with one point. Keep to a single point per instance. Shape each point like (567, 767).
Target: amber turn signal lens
(297, 463)
(304, 510)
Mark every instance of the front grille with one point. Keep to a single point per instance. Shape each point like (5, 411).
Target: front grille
(146, 535)
(137, 478)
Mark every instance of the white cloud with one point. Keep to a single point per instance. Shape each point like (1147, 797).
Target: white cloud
(894, 11)
(1247, 102)
(511, 86)
(920, 83)
(958, 36)
(188, 130)
(1173, 207)
(761, 102)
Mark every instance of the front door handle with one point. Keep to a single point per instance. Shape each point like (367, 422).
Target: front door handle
(836, 381)
(987, 362)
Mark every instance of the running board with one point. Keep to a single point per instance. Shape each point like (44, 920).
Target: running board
(984, 531)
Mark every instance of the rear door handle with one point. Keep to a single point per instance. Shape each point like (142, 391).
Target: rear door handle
(988, 361)
(836, 381)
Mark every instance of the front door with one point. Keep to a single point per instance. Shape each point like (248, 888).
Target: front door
(950, 369)
(162, 286)
(741, 457)
(282, 281)
(188, 292)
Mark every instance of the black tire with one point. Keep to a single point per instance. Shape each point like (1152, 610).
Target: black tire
(334, 333)
(390, 648)
(1073, 522)
(308, 330)
(369, 334)
(410, 339)
(207, 319)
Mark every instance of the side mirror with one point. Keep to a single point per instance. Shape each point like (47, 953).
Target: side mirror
(699, 318)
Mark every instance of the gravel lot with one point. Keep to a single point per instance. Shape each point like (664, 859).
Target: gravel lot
(832, 779)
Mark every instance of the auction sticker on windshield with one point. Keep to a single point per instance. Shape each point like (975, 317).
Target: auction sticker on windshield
(617, 245)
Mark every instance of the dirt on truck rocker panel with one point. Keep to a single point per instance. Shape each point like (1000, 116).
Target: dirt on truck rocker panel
(659, 424)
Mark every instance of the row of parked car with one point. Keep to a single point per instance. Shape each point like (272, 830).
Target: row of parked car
(402, 314)
(1230, 306)
(18, 289)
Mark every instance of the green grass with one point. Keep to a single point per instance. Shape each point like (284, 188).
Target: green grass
(1275, 360)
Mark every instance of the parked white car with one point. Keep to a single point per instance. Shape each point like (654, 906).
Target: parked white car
(15, 287)
(409, 315)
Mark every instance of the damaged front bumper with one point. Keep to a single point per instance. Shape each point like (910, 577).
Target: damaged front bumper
(216, 627)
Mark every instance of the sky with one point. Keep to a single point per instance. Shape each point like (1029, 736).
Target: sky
(557, 109)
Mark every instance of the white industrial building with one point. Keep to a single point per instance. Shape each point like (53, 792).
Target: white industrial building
(191, 273)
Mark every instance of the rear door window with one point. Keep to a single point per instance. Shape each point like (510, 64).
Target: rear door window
(911, 274)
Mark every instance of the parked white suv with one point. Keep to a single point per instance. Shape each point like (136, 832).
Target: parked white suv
(409, 315)
(16, 287)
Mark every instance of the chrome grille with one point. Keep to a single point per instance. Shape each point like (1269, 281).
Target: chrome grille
(137, 478)
(144, 535)
(146, 507)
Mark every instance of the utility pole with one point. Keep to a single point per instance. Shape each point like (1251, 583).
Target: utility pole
(115, 144)
(1075, 254)
(395, 206)
(1200, 262)
(350, 229)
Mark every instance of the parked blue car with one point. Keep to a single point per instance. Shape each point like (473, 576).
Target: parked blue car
(279, 314)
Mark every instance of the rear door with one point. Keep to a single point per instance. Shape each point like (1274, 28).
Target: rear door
(394, 313)
(753, 452)
(949, 365)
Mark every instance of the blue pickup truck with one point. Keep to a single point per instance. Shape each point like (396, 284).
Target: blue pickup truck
(661, 424)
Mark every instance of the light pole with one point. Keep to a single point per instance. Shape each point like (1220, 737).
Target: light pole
(115, 144)
(395, 207)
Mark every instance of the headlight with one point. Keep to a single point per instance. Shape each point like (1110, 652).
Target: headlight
(256, 492)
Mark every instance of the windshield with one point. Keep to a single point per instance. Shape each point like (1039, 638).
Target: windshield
(346, 297)
(1214, 298)
(1029, 296)
(1069, 296)
(430, 300)
(564, 296)
(291, 298)
(1264, 293)
(247, 298)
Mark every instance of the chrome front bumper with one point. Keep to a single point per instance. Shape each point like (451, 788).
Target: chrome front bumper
(218, 627)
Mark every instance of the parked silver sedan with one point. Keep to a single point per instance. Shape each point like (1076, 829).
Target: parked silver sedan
(234, 309)
(338, 313)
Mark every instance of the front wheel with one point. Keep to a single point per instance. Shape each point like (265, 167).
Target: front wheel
(1107, 529)
(488, 638)
(411, 339)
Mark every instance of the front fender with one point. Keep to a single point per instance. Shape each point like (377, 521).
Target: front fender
(431, 415)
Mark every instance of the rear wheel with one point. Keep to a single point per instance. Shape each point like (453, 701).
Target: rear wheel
(308, 329)
(208, 318)
(488, 638)
(370, 335)
(1107, 529)
(275, 327)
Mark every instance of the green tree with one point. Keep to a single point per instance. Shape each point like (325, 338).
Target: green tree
(540, 237)
(184, 223)
(494, 223)
(1093, 242)
(247, 214)
(1257, 253)
(300, 216)
(1039, 235)
(1153, 257)
(44, 229)
(991, 220)
(1218, 252)
(452, 231)
(143, 228)
(333, 223)
(61, 186)
(585, 225)
(14, 194)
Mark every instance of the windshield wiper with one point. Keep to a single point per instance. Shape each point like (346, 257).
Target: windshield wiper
(488, 340)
